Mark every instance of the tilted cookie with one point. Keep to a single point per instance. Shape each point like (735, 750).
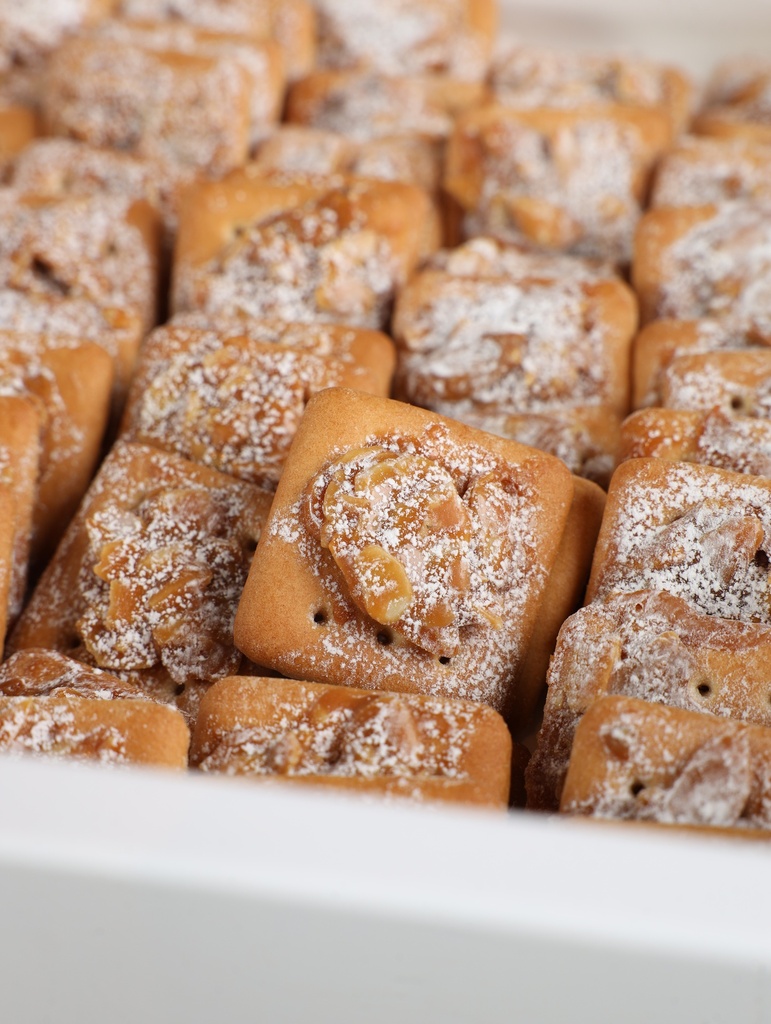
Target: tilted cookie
(737, 382)
(715, 438)
(633, 760)
(699, 533)
(408, 745)
(230, 401)
(146, 579)
(332, 250)
(405, 552)
(655, 647)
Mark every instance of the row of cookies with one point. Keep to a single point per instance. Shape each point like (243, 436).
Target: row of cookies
(239, 268)
(658, 707)
(150, 556)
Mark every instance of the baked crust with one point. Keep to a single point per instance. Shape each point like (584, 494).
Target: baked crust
(146, 579)
(714, 438)
(409, 745)
(692, 531)
(233, 402)
(300, 249)
(654, 647)
(641, 761)
(299, 615)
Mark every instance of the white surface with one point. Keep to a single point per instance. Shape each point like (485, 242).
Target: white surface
(132, 897)
(693, 33)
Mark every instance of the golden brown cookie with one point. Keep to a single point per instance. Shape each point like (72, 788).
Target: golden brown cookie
(233, 402)
(70, 385)
(661, 341)
(114, 732)
(710, 261)
(483, 339)
(572, 180)
(38, 673)
(177, 108)
(84, 265)
(737, 382)
(148, 575)
(699, 533)
(633, 760)
(441, 37)
(714, 438)
(291, 23)
(408, 745)
(58, 167)
(301, 249)
(363, 105)
(532, 76)
(655, 647)
(699, 171)
(405, 552)
(260, 61)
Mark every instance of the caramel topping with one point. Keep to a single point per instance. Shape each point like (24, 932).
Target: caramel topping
(162, 582)
(413, 553)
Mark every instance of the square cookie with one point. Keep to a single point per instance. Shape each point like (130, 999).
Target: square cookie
(699, 533)
(300, 249)
(233, 402)
(408, 745)
(637, 761)
(405, 552)
(571, 180)
(182, 109)
(714, 438)
(655, 647)
(68, 260)
(70, 385)
(146, 580)
(702, 171)
(709, 261)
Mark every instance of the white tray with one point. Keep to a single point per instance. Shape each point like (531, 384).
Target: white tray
(133, 897)
(136, 897)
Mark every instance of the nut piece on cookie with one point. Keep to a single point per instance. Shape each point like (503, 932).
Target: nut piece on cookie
(405, 552)
(147, 578)
(403, 745)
